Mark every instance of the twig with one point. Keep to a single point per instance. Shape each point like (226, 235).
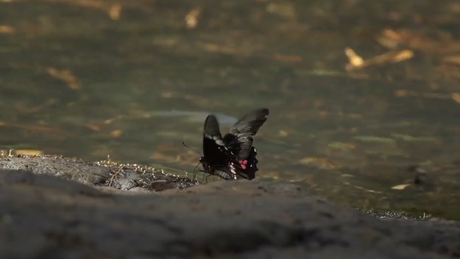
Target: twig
(113, 176)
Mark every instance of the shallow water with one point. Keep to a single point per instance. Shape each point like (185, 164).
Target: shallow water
(92, 79)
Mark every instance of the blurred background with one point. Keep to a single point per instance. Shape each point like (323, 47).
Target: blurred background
(362, 94)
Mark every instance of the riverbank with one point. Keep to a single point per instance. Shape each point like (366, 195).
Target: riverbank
(56, 215)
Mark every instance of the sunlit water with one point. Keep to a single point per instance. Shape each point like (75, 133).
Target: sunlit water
(79, 80)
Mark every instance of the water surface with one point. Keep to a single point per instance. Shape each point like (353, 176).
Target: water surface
(98, 78)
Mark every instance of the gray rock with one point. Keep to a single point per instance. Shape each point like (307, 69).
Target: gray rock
(43, 216)
(125, 177)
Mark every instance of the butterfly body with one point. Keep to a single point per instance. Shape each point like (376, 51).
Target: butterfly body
(232, 157)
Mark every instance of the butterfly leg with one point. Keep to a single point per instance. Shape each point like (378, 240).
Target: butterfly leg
(209, 176)
(194, 175)
(205, 178)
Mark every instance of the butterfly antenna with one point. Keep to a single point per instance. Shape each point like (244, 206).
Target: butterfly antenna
(185, 145)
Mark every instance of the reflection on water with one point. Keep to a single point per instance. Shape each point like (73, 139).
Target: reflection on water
(92, 79)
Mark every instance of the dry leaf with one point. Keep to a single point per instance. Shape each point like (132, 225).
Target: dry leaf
(353, 58)
(403, 55)
(5, 29)
(93, 127)
(191, 19)
(30, 152)
(64, 75)
(116, 133)
(356, 61)
(401, 93)
(283, 133)
(400, 187)
(452, 59)
(115, 11)
(456, 97)
(416, 41)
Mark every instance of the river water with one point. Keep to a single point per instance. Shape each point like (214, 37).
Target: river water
(133, 79)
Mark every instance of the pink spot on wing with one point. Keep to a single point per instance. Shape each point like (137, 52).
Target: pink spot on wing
(243, 163)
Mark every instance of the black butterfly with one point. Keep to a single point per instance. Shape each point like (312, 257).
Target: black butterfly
(233, 156)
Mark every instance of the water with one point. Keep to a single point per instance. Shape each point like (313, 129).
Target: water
(91, 79)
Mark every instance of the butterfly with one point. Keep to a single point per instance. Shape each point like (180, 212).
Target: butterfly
(232, 157)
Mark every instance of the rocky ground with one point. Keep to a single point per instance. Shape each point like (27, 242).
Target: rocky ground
(126, 177)
(59, 215)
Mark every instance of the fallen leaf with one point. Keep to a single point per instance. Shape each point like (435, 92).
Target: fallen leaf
(456, 97)
(452, 60)
(191, 19)
(354, 59)
(64, 75)
(30, 152)
(400, 187)
(401, 93)
(114, 11)
(283, 133)
(5, 29)
(93, 127)
(116, 133)
(401, 56)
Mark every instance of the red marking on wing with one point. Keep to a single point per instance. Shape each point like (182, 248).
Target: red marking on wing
(243, 163)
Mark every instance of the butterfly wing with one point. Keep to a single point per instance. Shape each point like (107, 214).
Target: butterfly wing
(211, 135)
(249, 165)
(239, 140)
(251, 122)
(217, 159)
